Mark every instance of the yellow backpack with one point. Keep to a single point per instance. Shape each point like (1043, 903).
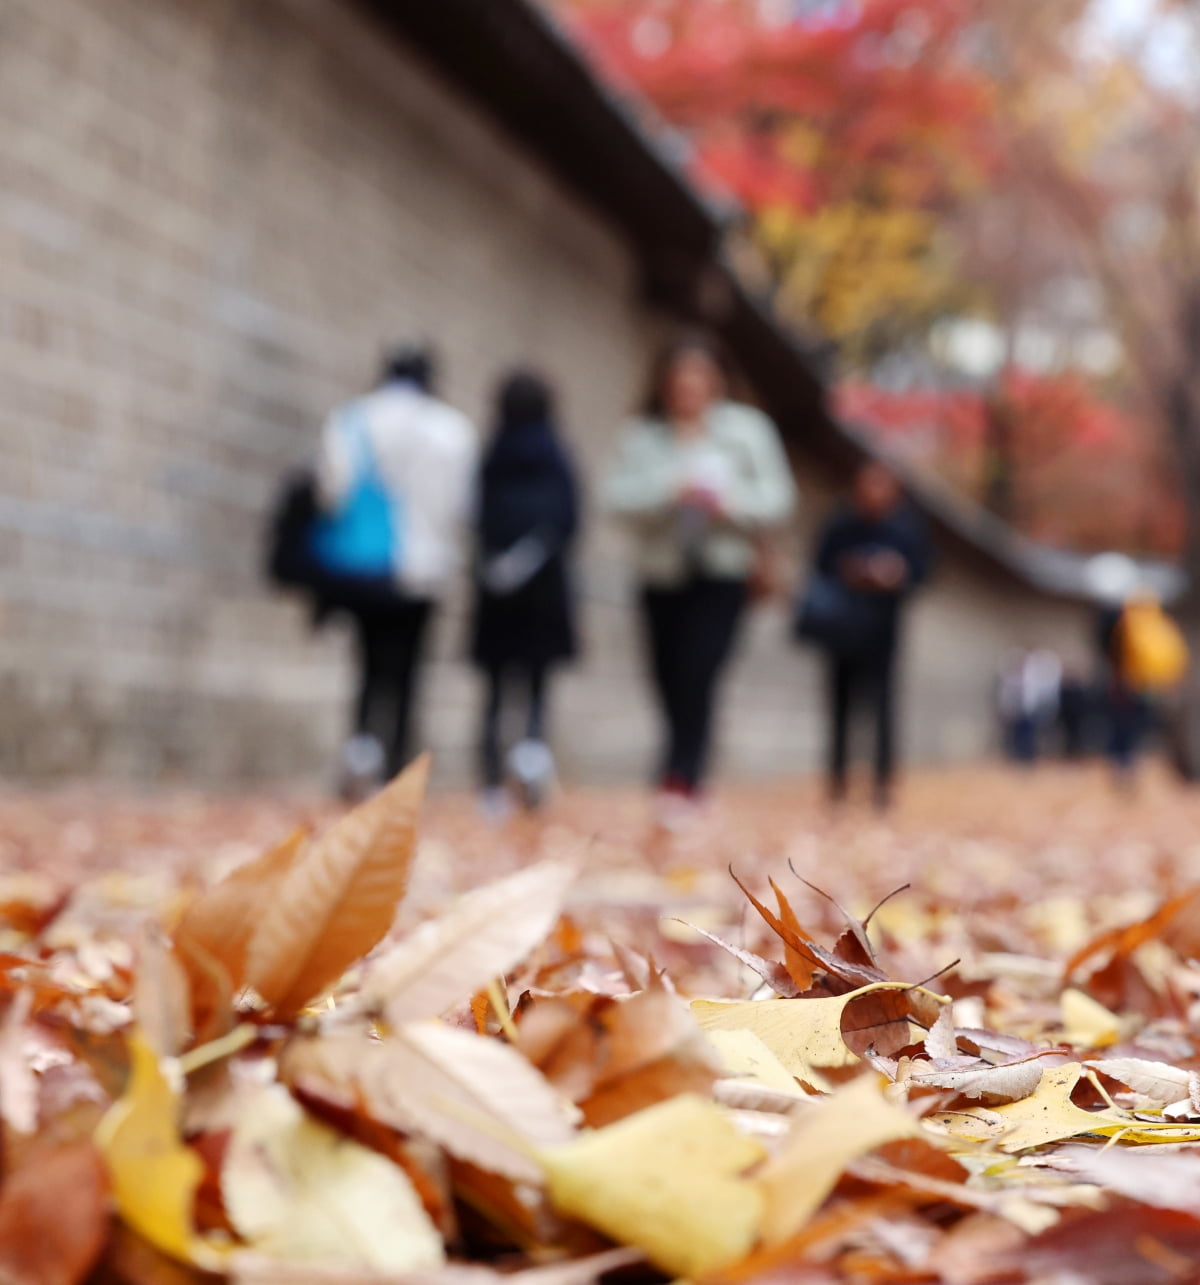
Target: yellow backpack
(1151, 649)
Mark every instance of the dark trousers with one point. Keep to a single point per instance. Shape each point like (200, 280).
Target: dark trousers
(391, 641)
(1129, 723)
(867, 685)
(501, 679)
(690, 633)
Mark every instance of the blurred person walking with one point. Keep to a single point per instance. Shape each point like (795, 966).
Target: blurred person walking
(1028, 699)
(526, 520)
(394, 481)
(871, 555)
(1145, 659)
(698, 481)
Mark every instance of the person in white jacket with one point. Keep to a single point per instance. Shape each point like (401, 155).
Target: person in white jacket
(422, 456)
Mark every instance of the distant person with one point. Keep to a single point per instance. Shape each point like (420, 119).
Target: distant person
(1076, 714)
(1029, 695)
(699, 478)
(871, 555)
(394, 480)
(1145, 658)
(526, 519)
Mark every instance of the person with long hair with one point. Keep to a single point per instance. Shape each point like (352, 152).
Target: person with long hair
(527, 516)
(698, 480)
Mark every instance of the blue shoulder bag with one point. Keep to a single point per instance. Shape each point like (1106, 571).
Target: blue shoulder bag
(359, 540)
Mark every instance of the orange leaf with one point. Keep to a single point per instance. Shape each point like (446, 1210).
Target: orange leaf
(214, 933)
(338, 899)
(54, 1216)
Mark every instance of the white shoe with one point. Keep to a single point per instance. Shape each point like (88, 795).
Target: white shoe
(363, 766)
(495, 805)
(531, 765)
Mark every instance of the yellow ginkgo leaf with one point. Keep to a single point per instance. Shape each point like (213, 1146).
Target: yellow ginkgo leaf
(666, 1180)
(745, 1057)
(802, 1033)
(299, 1191)
(154, 1176)
(1047, 1115)
(825, 1138)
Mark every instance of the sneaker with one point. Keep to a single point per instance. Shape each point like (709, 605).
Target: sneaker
(495, 805)
(364, 764)
(531, 766)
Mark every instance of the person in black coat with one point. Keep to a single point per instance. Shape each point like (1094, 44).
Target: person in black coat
(877, 547)
(527, 516)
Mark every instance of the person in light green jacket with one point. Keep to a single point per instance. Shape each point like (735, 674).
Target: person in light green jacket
(698, 481)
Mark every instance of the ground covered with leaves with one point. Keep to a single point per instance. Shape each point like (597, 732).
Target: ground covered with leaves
(959, 1045)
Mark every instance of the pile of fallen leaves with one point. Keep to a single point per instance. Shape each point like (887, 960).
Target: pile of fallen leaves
(570, 1074)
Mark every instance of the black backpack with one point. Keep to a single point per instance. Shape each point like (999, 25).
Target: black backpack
(290, 561)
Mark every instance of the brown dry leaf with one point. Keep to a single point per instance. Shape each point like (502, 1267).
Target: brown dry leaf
(668, 1181)
(161, 997)
(483, 936)
(976, 1079)
(799, 964)
(824, 1139)
(217, 925)
(941, 1040)
(777, 977)
(53, 1216)
(477, 1097)
(649, 1048)
(18, 1085)
(337, 899)
(843, 971)
(300, 1192)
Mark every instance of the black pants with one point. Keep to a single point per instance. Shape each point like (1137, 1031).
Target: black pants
(866, 684)
(691, 632)
(501, 678)
(391, 641)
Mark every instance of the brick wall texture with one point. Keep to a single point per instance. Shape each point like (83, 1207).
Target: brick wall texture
(213, 215)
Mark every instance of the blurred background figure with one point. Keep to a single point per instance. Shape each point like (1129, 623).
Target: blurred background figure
(526, 520)
(393, 482)
(697, 481)
(1145, 658)
(871, 555)
(1079, 713)
(1028, 697)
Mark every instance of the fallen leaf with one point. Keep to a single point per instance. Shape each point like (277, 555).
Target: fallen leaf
(53, 1216)
(1011, 1080)
(1086, 1022)
(1157, 1081)
(824, 1139)
(483, 936)
(217, 924)
(161, 998)
(475, 1096)
(337, 899)
(301, 1192)
(800, 1032)
(745, 1057)
(154, 1176)
(666, 1180)
(18, 1086)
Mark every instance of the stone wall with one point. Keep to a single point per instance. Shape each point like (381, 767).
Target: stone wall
(213, 215)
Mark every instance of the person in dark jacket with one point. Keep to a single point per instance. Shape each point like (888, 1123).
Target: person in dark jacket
(877, 547)
(527, 516)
